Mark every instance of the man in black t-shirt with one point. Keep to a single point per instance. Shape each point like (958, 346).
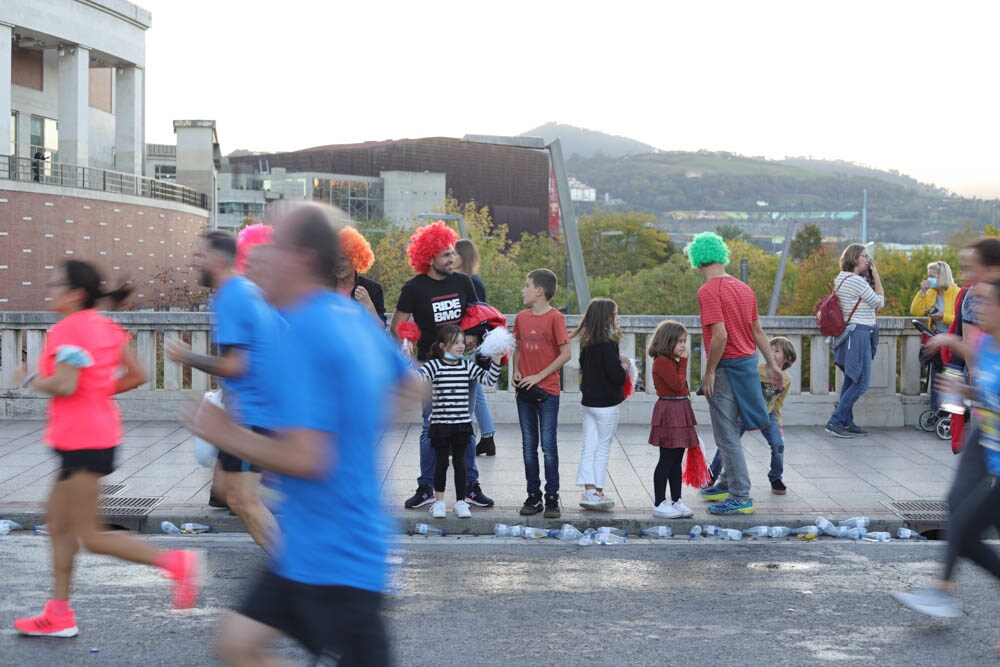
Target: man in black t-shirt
(436, 296)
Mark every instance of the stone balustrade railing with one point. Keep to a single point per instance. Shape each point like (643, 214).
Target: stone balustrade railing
(894, 398)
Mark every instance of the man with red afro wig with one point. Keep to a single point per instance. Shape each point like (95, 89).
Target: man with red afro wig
(356, 257)
(435, 297)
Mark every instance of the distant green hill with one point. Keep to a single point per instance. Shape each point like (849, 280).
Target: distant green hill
(588, 143)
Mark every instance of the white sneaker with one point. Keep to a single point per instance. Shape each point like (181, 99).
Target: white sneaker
(439, 510)
(666, 511)
(462, 510)
(589, 501)
(684, 510)
(604, 503)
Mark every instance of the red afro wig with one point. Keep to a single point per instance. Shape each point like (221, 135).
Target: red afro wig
(357, 249)
(247, 238)
(427, 242)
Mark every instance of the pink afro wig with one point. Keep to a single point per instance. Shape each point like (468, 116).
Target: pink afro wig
(427, 242)
(247, 238)
(357, 249)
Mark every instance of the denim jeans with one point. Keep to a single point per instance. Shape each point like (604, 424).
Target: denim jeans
(599, 426)
(428, 461)
(774, 437)
(540, 421)
(725, 413)
(851, 390)
(481, 410)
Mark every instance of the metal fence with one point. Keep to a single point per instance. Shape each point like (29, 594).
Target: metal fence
(90, 178)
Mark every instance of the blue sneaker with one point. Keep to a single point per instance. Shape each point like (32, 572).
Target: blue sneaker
(731, 506)
(714, 492)
(838, 431)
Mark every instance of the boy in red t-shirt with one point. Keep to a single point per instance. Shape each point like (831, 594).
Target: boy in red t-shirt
(542, 349)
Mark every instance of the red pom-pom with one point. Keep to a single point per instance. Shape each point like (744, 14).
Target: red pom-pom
(408, 330)
(629, 389)
(696, 471)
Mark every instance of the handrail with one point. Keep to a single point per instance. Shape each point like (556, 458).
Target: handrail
(25, 169)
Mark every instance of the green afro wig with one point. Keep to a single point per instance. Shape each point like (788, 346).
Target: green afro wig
(708, 248)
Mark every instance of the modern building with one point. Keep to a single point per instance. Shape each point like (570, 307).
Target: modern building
(72, 87)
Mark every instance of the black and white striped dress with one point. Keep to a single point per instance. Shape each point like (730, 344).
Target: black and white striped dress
(450, 393)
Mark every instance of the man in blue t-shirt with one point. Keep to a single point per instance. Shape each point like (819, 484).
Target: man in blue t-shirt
(245, 335)
(338, 373)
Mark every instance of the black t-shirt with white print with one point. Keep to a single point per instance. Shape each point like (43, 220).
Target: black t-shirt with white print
(435, 303)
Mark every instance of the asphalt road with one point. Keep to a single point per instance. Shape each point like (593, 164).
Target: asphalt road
(482, 601)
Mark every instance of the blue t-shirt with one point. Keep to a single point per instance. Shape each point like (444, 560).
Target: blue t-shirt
(339, 369)
(987, 412)
(244, 320)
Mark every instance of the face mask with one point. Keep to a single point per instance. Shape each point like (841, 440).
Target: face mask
(450, 357)
(932, 282)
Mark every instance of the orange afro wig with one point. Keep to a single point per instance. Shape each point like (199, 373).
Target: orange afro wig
(247, 238)
(357, 249)
(427, 242)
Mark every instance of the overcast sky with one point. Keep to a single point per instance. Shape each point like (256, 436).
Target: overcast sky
(910, 86)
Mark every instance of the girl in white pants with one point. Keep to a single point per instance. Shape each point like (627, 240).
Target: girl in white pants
(604, 371)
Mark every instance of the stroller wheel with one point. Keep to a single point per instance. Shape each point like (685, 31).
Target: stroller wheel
(928, 420)
(943, 428)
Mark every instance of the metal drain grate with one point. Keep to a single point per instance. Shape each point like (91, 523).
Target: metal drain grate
(112, 489)
(921, 515)
(127, 512)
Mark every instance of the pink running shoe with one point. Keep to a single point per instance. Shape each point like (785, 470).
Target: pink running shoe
(48, 624)
(184, 568)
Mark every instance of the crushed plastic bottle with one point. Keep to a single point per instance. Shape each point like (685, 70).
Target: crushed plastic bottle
(610, 538)
(806, 530)
(849, 532)
(710, 530)
(877, 537)
(6, 525)
(826, 527)
(567, 532)
(532, 533)
(41, 529)
(695, 531)
(194, 528)
(861, 522)
(657, 531)
(731, 534)
(424, 529)
(909, 534)
(607, 530)
(757, 531)
(501, 530)
(586, 541)
(779, 531)
(169, 528)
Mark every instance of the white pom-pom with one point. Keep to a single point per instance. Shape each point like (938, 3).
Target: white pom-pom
(496, 342)
(633, 372)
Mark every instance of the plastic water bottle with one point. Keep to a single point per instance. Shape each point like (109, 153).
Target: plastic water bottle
(657, 531)
(424, 529)
(501, 530)
(806, 530)
(42, 529)
(779, 531)
(194, 528)
(586, 541)
(607, 530)
(695, 531)
(849, 533)
(856, 522)
(730, 534)
(6, 525)
(610, 538)
(170, 528)
(567, 532)
(909, 533)
(877, 537)
(757, 531)
(710, 530)
(826, 527)
(534, 533)
(590, 531)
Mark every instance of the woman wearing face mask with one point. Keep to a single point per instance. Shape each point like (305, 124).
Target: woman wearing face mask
(936, 302)
(936, 298)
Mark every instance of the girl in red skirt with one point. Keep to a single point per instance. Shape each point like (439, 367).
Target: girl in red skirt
(673, 419)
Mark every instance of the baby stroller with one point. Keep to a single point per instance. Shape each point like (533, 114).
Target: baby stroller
(932, 421)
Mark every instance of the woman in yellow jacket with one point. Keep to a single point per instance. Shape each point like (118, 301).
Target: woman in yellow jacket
(936, 298)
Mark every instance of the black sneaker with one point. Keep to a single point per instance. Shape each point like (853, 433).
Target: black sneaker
(552, 507)
(778, 487)
(838, 431)
(533, 505)
(857, 430)
(486, 446)
(474, 496)
(423, 496)
(217, 503)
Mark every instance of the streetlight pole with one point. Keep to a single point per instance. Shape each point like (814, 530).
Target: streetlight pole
(567, 213)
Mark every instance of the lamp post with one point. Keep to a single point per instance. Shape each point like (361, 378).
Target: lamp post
(567, 213)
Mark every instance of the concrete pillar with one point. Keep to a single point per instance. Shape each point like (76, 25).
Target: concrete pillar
(6, 34)
(129, 120)
(74, 100)
(196, 147)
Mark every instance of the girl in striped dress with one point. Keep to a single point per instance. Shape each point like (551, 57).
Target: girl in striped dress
(451, 424)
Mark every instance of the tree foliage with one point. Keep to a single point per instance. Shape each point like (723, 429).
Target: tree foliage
(617, 242)
(806, 241)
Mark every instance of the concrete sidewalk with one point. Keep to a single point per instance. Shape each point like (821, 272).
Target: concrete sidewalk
(825, 477)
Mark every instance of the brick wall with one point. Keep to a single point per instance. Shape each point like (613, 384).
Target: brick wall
(145, 241)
